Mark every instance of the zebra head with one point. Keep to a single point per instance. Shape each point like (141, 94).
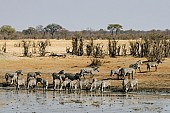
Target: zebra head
(61, 72)
(19, 72)
(38, 73)
(96, 69)
(39, 80)
(159, 61)
(6, 76)
(139, 62)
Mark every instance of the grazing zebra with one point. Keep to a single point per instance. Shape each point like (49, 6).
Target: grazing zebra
(153, 64)
(136, 65)
(126, 71)
(88, 70)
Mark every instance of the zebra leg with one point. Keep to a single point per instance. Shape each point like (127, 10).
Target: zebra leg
(139, 70)
(132, 75)
(54, 85)
(148, 68)
(155, 68)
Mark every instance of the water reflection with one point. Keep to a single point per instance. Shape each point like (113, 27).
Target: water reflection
(55, 101)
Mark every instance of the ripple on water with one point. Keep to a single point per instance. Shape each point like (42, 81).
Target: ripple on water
(39, 101)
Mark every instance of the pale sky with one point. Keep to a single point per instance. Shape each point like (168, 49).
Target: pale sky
(77, 15)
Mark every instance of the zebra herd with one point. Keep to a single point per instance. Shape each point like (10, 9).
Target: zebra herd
(122, 72)
(77, 81)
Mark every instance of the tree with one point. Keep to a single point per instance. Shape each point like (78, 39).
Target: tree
(115, 27)
(29, 31)
(41, 31)
(52, 29)
(7, 29)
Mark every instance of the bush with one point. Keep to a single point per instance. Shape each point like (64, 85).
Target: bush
(95, 62)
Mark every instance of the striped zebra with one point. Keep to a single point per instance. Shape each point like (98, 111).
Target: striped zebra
(126, 72)
(153, 64)
(136, 65)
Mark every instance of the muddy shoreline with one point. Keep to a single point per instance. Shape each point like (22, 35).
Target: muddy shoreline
(141, 90)
(61, 102)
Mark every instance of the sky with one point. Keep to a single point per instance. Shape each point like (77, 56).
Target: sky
(76, 15)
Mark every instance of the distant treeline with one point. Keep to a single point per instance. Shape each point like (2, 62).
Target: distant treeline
(54, 31)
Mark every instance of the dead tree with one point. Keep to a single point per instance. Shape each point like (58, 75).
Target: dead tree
(42, 47)
(118, 50)
(26, 45)
(98, 51)
(77, 45)
(74, 45)
(124, 50)
(80, 48)
(4, 48)
(134, 48)
(89, 48)
(112, 48)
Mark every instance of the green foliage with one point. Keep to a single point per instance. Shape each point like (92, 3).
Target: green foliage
(115, 27)
(7, 29)
(52, 29)
(29, 31)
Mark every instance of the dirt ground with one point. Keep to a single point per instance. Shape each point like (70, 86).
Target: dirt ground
(13, 60)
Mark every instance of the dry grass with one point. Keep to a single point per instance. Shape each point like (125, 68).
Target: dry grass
(47, 65)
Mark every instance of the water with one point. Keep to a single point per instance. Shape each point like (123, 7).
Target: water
(62, 102)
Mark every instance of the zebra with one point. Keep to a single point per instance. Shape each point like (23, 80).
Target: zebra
(125, 84)
(114, 71)
(96, 84)
(88, 70)
(43, 82)
(126, 71)
(100, 84)
(153, 64)
(59, 76)
(57, 84)
(136, 65)
(13, 76)
(72, 77)
(32, 75)
(134, 83)
(20, 82)
(31, 83)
